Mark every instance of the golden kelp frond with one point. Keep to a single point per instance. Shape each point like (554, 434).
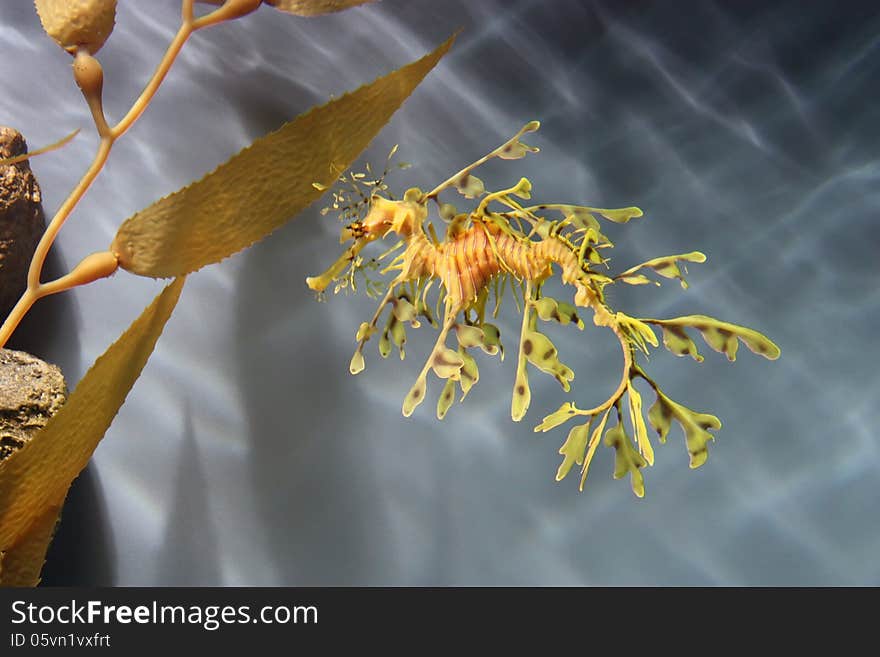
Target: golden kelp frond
(21, 564)
(34, 481)
(266, 184)
(499, 244)
(314, 7)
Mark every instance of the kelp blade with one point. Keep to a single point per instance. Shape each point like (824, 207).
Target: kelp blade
(22, 563)
(266, 184)
(34, 481)
(314, 7)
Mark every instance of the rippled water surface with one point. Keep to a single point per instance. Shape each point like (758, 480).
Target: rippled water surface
(246, 455)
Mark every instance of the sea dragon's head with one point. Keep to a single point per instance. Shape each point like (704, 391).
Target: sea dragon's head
(385, 216)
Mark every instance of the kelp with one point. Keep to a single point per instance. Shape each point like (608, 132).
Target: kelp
(34, 480)
(264, 185)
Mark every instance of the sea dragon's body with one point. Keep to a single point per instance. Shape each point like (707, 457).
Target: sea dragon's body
(484, 247)
(469, 259)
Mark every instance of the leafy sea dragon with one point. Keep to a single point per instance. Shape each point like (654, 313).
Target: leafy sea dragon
(502, 242)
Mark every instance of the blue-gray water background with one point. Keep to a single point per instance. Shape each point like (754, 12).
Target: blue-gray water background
(247, 455)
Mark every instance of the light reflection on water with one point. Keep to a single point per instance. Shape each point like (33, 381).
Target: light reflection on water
(739, 132)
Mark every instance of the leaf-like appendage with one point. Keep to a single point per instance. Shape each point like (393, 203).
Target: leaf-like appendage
(638, 423)
(447, 212)
(568, 313)
(469, 374)
(593, 256)
(638, 333)
(470, 186)
(385, 343)
(573, 449)
(619, 215)
(723, 336)
(560, 416)
(403, 310)
(678, 342)
(415, 396)
(542, 354)
(446, 363)
(357, 364)
(695, 426)
(627, 459)
(523, 188)
(266, 184)
(314, 7)
(666, 266)
(660, 418)
(579, 217)
(35, 479)
(515, 149)
(398, 334)
(425, 311)
(522, 395)
(469, 336)
(594, 443)
(599, 280)
(635, 279)
(492, 340)
(549, 308)
(365, 330)
(447, 396)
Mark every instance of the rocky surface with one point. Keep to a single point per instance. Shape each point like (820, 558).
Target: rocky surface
(31, 391)
(21, 218)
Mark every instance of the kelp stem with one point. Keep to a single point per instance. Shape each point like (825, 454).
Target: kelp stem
(35, 290)
(186, 29)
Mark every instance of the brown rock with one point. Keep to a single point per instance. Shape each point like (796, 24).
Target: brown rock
(21, 219)
(31, 392)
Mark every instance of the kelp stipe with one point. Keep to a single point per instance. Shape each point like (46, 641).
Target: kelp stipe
(487, 250)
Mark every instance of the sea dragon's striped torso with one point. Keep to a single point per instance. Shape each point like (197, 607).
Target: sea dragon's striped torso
(469, 260)
(484, 247)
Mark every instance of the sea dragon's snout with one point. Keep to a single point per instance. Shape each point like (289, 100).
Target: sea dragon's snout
(384, 216)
